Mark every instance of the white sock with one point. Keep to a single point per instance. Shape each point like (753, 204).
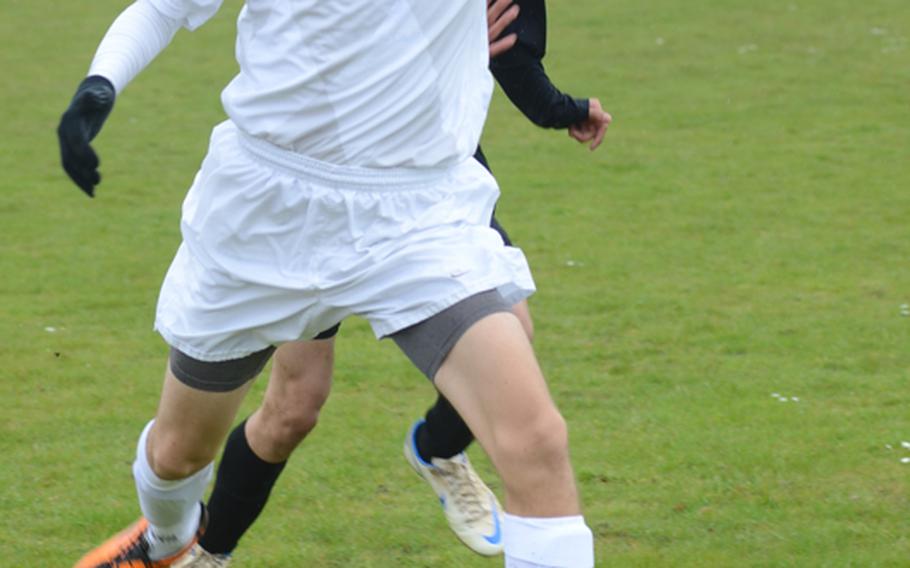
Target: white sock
(171, 506)
(550, 542)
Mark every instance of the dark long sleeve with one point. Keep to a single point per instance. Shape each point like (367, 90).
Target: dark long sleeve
(521, 74)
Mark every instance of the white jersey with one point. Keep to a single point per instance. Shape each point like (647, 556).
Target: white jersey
(369, 83)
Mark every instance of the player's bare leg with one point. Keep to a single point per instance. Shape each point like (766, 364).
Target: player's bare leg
(190, 427)
(172, 470)
(299, 385)
(258, 448)
(436, 446)
(492, 378)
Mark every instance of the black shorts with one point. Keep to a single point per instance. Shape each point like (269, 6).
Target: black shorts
(494, 223)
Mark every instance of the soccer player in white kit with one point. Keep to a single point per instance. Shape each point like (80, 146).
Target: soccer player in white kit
(340, 184)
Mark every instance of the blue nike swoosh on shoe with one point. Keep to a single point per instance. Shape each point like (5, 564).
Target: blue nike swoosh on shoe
(496, 537)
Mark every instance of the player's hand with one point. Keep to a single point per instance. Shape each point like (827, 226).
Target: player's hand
(594, 128)
(501, 13)
(81, 122)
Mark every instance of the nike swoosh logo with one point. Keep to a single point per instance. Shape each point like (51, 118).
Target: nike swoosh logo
(496, 537)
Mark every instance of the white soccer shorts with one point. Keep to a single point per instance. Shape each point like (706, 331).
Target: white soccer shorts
(279, 247)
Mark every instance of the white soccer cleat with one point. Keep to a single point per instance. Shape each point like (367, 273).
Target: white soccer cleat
(473, 512)
(199, 557)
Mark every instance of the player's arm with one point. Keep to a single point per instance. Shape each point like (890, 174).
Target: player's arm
(135, 38)
(521, 74)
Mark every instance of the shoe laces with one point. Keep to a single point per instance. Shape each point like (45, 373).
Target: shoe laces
(199, 557)
(465, 487)
(213, 561)
(133, 550)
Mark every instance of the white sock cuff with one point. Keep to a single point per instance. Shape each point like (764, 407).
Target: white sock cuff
(153, 486)
(557, 542)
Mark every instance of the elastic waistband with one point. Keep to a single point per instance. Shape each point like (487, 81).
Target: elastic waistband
(350, 177)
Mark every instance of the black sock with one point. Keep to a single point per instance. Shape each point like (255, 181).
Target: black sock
(444, 433)
(241, 490)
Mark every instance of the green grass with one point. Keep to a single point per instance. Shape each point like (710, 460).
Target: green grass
(743, 232)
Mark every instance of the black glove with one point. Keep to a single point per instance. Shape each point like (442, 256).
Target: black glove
(90, 106)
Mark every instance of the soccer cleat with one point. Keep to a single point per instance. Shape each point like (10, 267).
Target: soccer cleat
(129, 549)
(199, 557)
(473, 512)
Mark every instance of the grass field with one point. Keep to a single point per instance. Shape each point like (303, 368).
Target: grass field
(723, 307)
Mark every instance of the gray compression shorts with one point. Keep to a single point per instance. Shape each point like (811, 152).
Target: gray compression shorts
(224, 376)
(217, 376)
(429, 342)
(426, 344)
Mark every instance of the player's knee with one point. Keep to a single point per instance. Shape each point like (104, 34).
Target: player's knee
(294, 428)
(288, 427)
(543, 442)
(551, 438)
(177, 461)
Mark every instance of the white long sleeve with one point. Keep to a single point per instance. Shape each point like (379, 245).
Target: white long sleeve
(135, 38)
